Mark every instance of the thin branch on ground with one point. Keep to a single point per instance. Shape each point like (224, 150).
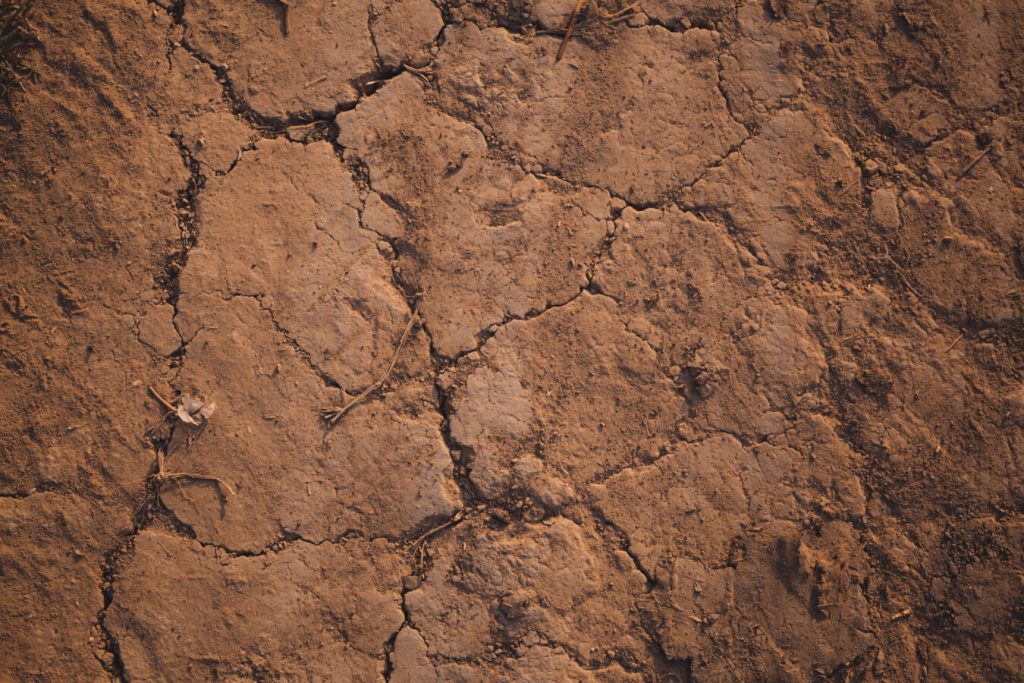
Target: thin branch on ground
(610, 17)
(456, 518)
(286, 6)
(170, 446)
(974, 162)
(335, 413)
(575, 17)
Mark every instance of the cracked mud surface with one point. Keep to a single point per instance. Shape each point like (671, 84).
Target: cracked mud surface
(716, 374)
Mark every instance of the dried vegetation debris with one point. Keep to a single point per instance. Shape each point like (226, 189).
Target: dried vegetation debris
(16, 36)
(692, 355)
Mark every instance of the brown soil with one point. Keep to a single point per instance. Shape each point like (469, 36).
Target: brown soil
(715, 375)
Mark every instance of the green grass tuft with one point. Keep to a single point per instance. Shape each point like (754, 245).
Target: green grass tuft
(16, 34)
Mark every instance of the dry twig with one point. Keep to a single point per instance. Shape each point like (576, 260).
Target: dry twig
(168, 476)
(899, 272)
(335, 413)
(163, 401)
(610, 17)
(973, 163)
(423, 73)
(162, 474)
(456, 518)
(569, 29)
(287, 5)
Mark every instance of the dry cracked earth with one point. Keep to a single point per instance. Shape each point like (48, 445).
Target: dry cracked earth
(715, 373)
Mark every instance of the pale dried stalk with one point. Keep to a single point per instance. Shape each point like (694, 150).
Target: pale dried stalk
(332, 415)
(161, 472)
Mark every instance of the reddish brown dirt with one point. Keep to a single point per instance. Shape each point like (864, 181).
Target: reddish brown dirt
(716, 376)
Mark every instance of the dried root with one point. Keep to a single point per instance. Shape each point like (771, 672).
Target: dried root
(188, 418)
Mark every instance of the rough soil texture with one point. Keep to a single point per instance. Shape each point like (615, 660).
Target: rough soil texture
(716, 376)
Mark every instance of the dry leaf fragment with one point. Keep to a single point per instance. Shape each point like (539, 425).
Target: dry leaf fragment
(184, 415)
